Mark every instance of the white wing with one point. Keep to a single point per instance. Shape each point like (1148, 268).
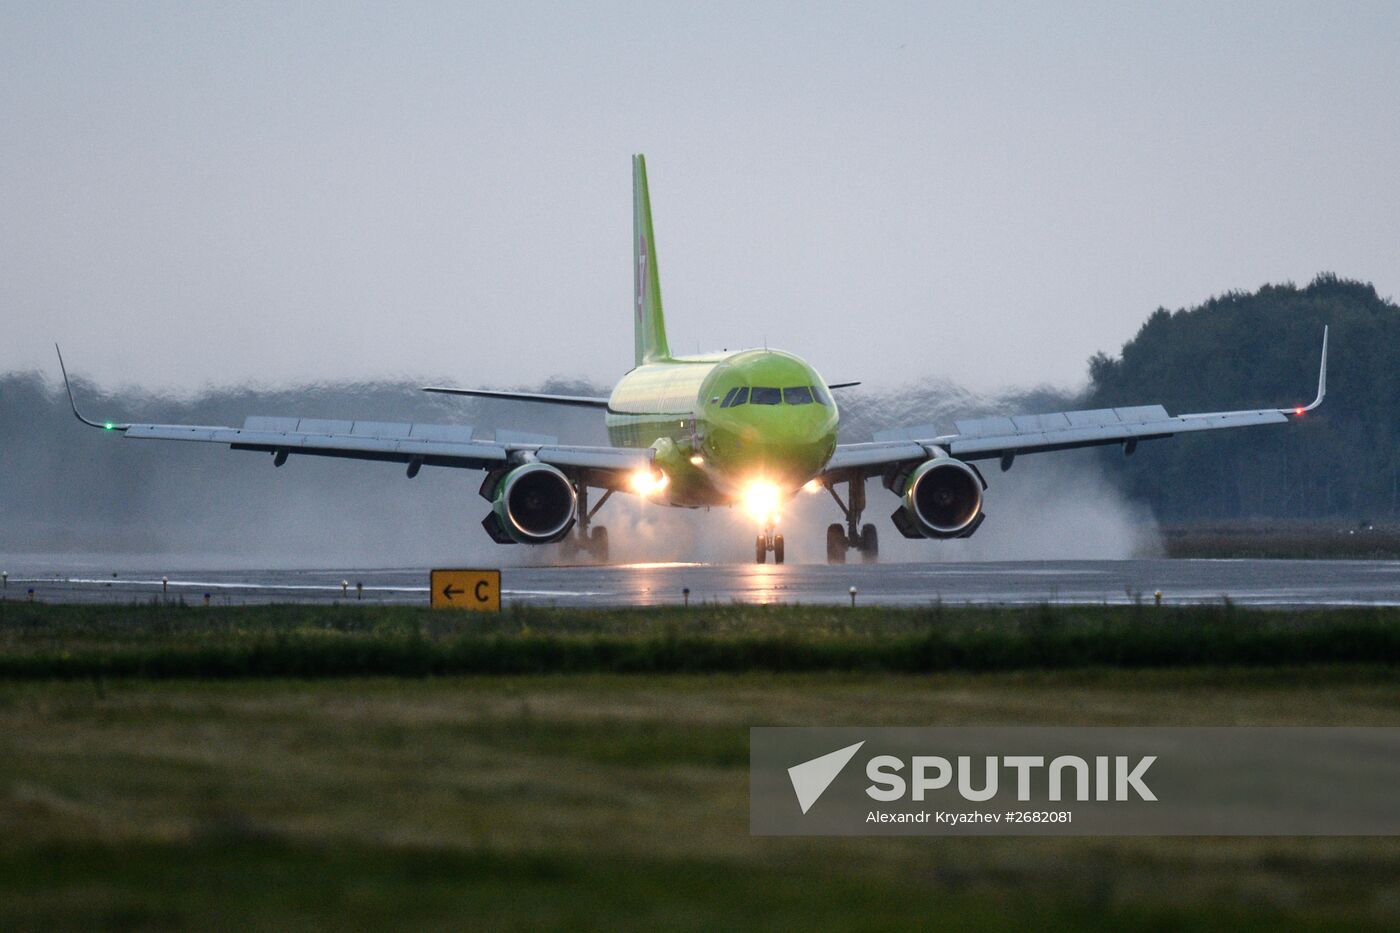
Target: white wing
(1006, 438)
(416, 445)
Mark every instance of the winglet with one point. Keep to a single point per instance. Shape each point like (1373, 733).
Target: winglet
(1321, 383)
(104, 425)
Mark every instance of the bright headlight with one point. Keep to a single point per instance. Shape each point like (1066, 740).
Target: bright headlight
(761, 500)
(648, 482)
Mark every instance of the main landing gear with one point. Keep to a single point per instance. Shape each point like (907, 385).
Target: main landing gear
(583, 538)
(768, 542)
(854, 536)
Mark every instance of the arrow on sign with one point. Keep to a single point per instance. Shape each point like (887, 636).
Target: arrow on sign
(465, 589)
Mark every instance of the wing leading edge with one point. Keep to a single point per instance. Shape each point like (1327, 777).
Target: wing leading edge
(1008, 437)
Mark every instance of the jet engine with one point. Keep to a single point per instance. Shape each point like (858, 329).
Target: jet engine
(530, 504)
(942, 499)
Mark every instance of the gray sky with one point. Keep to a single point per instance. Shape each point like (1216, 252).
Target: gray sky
(218, 193)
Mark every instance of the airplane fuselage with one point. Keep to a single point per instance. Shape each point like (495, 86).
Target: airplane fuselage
(722, 423)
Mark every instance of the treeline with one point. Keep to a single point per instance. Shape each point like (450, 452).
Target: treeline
(1259, 350)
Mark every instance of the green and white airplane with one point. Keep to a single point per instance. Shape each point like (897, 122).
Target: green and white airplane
(749, 428)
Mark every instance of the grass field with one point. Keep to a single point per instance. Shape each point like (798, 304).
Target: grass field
(614, 795)
(173, 641)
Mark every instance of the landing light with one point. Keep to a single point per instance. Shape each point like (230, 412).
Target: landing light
(811, 487)
(761, 500)
(647, 482)
(697, 460)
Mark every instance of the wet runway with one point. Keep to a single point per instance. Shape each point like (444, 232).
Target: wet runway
(1245, 582)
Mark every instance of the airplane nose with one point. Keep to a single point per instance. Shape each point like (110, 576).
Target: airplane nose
(802, 447)
(786, 444)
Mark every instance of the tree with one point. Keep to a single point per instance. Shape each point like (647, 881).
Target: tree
(1259, 350)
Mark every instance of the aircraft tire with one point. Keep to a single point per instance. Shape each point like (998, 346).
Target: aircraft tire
(835, 544)
(598, 544)
(869, 544)
(760, 551)
(778, 549)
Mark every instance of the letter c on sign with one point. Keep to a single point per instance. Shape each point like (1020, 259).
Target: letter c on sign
(480, 596)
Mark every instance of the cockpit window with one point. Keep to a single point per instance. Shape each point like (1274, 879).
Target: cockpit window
(765, 395)
(768, 395)
(798, 395)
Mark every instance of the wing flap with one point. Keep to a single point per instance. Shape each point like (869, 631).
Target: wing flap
(1059, 431)
(399, 445)
(1070, 437)
(384, 429)
(616, 459)
(1001, 426)
(459, 434)
(262, 424)
(523, 438)
(434, 444)
(879, 453)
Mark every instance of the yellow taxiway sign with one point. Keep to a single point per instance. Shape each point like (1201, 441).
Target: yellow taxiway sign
(478, 590)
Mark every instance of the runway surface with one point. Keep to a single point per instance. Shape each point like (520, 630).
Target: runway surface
(1245, 582)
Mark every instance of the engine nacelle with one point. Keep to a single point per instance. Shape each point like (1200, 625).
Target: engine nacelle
(942, 499)
(531, 504)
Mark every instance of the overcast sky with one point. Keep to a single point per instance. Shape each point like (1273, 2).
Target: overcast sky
(197, 194)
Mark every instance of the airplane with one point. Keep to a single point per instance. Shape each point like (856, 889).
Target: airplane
(748, 428)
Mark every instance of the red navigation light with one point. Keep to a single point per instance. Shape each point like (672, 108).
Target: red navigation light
(1299, 410)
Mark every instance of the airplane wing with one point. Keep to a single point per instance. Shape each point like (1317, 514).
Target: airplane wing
(417, 445)
(1005, 438)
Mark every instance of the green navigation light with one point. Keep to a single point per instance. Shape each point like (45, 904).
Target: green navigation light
(108, 426)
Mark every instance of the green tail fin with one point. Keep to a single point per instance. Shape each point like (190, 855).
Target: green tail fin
(649, 321)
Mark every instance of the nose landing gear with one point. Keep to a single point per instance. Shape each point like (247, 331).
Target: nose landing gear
(768, 542)
(854, 536)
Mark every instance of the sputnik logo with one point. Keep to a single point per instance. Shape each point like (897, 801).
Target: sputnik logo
(811, 778)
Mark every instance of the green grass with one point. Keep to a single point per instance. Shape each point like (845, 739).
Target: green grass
(597, 799)
(369, 888)
(158, 641)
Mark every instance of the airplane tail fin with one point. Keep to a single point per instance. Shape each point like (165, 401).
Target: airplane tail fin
(648, 320)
